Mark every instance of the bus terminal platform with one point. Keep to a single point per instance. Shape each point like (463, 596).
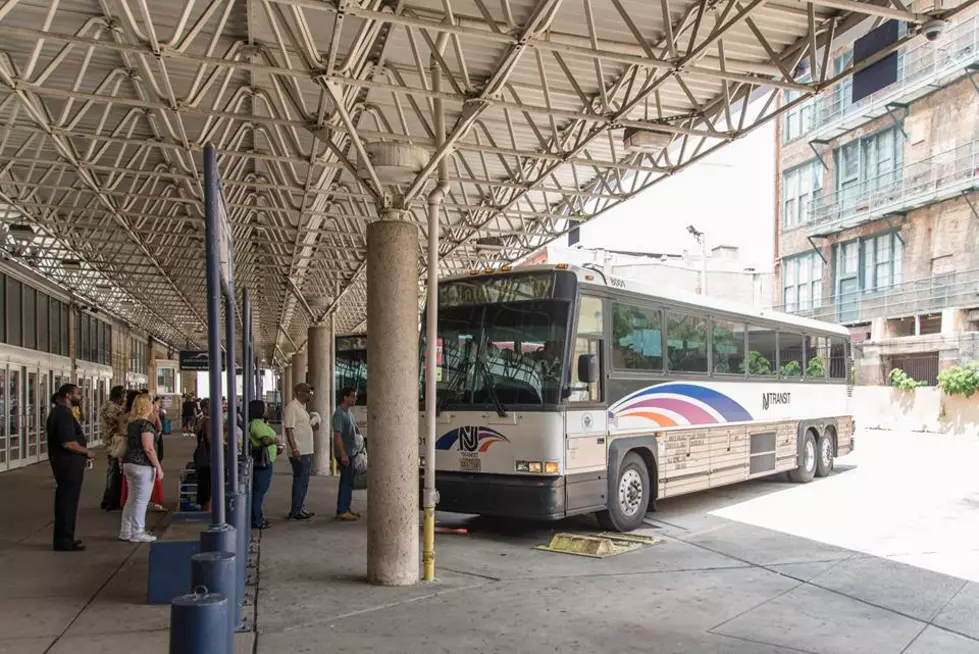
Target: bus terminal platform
(710, 585)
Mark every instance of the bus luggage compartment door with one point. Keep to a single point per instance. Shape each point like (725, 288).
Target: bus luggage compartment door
(586, 464)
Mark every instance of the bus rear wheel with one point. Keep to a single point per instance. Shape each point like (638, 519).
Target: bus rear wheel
(825, 462)
(807, 461)
(629, 497)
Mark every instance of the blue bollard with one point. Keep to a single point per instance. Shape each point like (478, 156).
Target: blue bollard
(195, 620)
(215, 571)
(223, 538)
(240, 521)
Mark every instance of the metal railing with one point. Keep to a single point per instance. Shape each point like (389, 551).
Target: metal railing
(936, 178)
(918, 67)
(956, 289)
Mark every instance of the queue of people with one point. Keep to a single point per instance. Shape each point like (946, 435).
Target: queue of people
(132, 427)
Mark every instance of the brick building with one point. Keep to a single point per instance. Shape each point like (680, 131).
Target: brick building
(877, 216)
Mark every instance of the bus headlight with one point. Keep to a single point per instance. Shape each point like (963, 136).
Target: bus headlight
(538, 467)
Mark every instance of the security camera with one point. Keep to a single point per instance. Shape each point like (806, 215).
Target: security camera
(933, 29)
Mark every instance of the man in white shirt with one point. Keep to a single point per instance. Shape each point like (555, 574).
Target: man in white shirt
(299, 437)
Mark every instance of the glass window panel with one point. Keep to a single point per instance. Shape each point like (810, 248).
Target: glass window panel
(590, 315)
(728, 347)
(15, 395)
(761, 351)
(3, 323)
(790, 360)
(14, 307)
(64, 329)
(43, 342)
(838, 362)
(686, 339)
(580, 391)
(4, 416)
(637, 338)
(30, 317)
(817, 357)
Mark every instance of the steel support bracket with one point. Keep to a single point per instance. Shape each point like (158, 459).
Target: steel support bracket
(889, 108)
(970, 71)
(812, 144)
(817, 249)
(898, 226)
(972, 205)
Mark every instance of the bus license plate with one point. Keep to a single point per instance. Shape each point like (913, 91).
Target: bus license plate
(470, 465)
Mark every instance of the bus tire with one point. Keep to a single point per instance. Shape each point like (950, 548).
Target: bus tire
(629, 497)
(825, 460)
(807, 461)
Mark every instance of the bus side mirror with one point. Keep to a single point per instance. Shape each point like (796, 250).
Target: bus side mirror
(587, 368)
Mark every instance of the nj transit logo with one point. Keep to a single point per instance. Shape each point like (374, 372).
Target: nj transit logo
(471, 438)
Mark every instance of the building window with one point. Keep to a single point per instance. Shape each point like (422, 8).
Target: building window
(637, 338)
(867, 166)
(869, 264)
(799, 120)
(802, 282)
(800, 185)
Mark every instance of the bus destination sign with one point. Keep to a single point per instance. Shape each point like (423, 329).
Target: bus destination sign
(503, 288)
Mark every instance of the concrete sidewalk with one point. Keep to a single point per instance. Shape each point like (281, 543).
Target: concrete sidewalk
(712, 585)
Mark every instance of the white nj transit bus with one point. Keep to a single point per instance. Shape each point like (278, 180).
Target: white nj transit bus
(351, 371)
(562, 391)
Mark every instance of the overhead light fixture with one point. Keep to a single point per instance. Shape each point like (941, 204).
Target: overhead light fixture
(21, 232)
(71, 265)
(646, 140)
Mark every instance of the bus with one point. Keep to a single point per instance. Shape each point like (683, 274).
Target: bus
(351, 370)
(563, 391)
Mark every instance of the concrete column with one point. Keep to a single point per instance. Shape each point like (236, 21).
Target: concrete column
(320, 376)
(287, 385)
(299, 373)
(392, 386)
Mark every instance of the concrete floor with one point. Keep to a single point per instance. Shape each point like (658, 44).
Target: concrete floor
(878, 558)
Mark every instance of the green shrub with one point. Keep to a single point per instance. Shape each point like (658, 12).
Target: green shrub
(790, 369)
(902, 381)
(960, 380)
(815, 367)
(757, 364)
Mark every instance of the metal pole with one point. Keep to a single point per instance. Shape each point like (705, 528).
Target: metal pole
(230, 336)
(212, 256)
(333, 385)
(248, 374)
(430, 496)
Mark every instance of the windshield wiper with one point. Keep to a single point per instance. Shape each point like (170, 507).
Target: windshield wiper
(491, 387)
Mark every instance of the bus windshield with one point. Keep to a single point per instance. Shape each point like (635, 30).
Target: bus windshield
(502, 354)
(351, 367)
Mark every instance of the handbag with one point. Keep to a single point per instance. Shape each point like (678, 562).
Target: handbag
(260, 456)
(118, 446)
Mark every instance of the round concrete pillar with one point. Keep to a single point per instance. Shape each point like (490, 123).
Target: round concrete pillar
(299, 367)
(392, 389)
(286, 386)
(319, 376)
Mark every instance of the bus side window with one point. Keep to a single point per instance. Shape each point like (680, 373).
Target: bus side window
(588, 340)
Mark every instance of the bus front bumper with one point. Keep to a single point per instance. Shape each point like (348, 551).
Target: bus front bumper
(504, 496)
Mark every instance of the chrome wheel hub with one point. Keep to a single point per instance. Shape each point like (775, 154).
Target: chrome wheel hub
(630, 492)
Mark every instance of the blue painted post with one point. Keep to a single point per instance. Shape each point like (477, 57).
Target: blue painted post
(230, 336)
(212, 234)
(215, 572)
(195, 619)
(237, 517)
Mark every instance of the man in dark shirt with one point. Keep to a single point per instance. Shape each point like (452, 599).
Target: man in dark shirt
(69, 458)
(188, 414)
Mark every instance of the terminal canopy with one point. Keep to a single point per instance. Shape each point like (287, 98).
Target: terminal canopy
(322, 112)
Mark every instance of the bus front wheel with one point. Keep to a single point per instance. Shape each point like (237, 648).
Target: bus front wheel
(629, 497)
(807, 461)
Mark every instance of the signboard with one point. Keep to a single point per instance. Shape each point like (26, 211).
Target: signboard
(503, 288)
(200, 361)
(225, 247)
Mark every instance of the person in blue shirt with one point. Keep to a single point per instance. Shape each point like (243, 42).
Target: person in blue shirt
(344, 438)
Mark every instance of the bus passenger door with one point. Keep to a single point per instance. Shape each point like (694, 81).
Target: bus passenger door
(586, 419)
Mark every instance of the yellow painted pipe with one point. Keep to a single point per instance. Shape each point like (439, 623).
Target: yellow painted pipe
(428, 548)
